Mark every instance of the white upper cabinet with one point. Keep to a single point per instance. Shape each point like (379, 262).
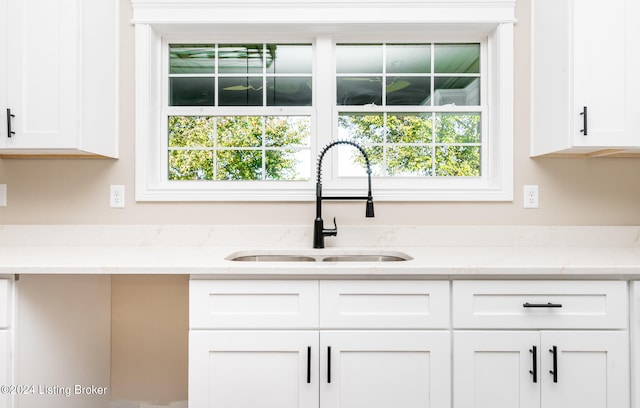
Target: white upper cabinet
(585, 83)
(60, 69)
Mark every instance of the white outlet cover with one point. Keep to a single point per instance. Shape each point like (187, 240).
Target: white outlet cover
(3, 195)
(116, 196)
(531, 198)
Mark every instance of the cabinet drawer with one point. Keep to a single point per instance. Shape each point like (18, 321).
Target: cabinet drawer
(4, 303)
(253, 304)
(384, 304)
(540, 304)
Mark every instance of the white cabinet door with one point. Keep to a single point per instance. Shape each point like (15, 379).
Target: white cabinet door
(591, 369)
(248, 369)
(42, 73)
(605, 61)
(635, 343)
(61, 77)
(381, 369)
(502, 369)
(585, 54)
(495, 369)
(5, 367)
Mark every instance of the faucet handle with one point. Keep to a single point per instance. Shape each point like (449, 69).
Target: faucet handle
(331, 232)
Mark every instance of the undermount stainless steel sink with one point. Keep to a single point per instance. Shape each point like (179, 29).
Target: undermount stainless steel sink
(272, 258)
(318, 256)
(364, 258)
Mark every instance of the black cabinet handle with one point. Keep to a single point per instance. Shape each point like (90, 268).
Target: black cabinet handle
(309, 365)
(548, 304)
(9, 116)
(554, 372)
(534, 357)
(584, 121)
(329, 365)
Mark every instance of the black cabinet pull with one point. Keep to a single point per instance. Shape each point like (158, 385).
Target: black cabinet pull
(309, 365)
(548, 304)
(554, 372)
(9, 116)
(534, 357)
(584, 121)
(329, 365)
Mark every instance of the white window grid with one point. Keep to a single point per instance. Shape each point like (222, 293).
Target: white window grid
(151, 47)
(217, 111)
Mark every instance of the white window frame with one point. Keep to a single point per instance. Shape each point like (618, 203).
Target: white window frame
(324, 22)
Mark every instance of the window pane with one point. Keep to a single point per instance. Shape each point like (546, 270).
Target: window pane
(289, 91)
(240, 59)
(238, 165)
(351, 163)
(460, 91)
(359, 90)
(287, 164)
(283, 131)
(408, 90)
(457, 58)
(408, 58)
(239, 131)
(410, 128)
(289, 59)
(191, 91)
(191, 131)
(190, 165)
(240, 91)
(361, 128)
(459, 161)
(363, 59)
(458, 128)
(409, 161)
(191, 59)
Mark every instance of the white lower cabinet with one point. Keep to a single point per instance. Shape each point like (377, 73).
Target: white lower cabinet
(510, 349)
(385, 369)
(550, 369)
(5, 364)
(409, 344)
(246, 369)
(298, 369)
(5, 341)
(377, 344)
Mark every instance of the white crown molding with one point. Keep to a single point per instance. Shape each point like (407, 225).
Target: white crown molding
(320, 12)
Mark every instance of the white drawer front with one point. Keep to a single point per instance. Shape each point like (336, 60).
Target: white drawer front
(384, 304)
(540, 304)
(253, 304)
(4, 303)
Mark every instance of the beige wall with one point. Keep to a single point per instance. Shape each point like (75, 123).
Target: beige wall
(149, 338)
(572, 191)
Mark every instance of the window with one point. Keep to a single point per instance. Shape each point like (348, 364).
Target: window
(221, 125)
(425, 108)
(245, 109)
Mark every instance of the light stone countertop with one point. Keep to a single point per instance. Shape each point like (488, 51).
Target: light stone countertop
(437, 252)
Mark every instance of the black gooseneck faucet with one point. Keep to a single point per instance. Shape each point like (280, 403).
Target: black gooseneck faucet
(319, 231)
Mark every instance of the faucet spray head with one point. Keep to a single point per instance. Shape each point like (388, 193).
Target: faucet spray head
(369, 211)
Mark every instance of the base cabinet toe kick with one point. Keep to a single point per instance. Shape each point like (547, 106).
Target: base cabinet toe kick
(437, 343)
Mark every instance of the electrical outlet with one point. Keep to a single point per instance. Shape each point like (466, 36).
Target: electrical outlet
(116, 196)
(531, 196)
(3, 195)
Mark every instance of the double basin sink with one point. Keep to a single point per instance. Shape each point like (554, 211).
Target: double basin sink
(322, 255)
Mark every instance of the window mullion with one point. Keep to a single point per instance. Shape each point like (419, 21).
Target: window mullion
(324, 97)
